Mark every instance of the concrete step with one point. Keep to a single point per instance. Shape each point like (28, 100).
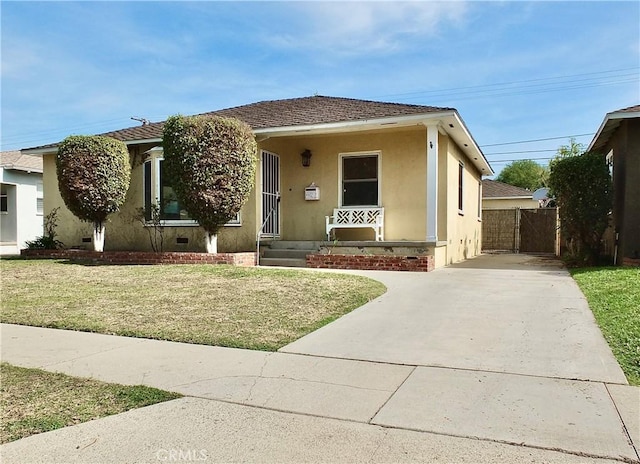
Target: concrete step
(292, 245)
(284, 262)
(286, 253)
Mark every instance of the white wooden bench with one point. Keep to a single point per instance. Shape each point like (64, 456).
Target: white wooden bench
(352, 218)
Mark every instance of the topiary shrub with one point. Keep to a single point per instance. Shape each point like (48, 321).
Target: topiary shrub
(583, 191)
(210, 162)
(93, 179)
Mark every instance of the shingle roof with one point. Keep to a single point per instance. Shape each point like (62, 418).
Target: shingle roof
(630, 109)
(291, 112)
(20, 162)
(496, 189)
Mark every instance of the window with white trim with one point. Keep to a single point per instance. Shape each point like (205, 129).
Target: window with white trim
(39, 199)
(360, 180)
(159, 192)
(461, 188)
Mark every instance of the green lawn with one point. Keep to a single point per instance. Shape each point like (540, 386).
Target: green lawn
(614, 298)
(33, 401)
(215, 305)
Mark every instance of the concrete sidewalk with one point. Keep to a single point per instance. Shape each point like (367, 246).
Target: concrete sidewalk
(430, 401)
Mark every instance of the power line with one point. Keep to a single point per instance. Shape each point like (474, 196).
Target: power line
(518, 152)
(537, 140)
(525, 159)
(451, 89)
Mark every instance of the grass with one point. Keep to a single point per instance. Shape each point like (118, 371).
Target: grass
(33, 401)
(214, 305)
(614, 297)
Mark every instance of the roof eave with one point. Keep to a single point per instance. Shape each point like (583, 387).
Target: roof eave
(610, 120)
(450, 121)
(517, 197)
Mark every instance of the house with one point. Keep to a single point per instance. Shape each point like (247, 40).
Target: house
(498, 195)
(21, 202)
(618, 138)
(403, 179)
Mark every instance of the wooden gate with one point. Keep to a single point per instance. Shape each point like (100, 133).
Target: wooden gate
(538, 230)
(520, 230)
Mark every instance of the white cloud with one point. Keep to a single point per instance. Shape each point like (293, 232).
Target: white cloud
(354, 28)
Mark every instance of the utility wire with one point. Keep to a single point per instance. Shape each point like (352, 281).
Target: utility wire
(518, 152)
(636, 68)
(537, 140)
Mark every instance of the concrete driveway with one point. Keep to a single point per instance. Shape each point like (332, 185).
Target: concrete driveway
(517, 314)
(494, 360)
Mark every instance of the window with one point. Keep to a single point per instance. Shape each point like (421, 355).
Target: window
(610, 162)
(39, 199)
(460, 188)
(360, 180)
(161, 193)
(4, 204)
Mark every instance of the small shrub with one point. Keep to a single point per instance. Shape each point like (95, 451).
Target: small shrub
(48, 241)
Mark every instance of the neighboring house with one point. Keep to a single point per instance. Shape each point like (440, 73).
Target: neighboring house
(21, 207)
(316, 154)
(498, 195)
(618, 138)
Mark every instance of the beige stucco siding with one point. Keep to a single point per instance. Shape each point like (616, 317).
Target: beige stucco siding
(463, 228)
(402, 180)
(125, 232)
(509, 203)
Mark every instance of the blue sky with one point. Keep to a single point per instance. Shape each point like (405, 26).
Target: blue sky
(516, 71)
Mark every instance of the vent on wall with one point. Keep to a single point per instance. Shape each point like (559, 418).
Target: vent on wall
(182, 240)
(86, 239)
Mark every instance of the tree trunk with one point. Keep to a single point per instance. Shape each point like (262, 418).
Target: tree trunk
(98, 236)
(211, 241)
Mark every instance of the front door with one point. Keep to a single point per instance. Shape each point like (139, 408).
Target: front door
(270, 178)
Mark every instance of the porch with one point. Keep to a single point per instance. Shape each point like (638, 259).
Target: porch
(373, 255)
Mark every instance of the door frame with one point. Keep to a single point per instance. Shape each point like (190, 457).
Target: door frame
(270, 187)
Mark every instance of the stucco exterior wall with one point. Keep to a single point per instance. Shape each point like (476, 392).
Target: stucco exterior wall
(403, 191)
(508, 203)
(402, 180)
(464, 228)
(21, 222)
(625, 144)
(125, 232)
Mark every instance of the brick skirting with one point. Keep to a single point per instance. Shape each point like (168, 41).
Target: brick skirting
(143, 257)
(421, 263)
(630, 262)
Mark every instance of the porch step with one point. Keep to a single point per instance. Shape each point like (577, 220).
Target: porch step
(284, 262)
(286, 253)
(292, 245)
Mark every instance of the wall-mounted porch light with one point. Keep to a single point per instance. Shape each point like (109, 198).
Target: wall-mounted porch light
(306, 158)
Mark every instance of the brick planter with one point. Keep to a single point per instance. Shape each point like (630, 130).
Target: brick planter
(143, 257)
(421, 263)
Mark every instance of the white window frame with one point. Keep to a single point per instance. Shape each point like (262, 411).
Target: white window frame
(155, 198)
(359, 154)
(460, 188)
(39, 198)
